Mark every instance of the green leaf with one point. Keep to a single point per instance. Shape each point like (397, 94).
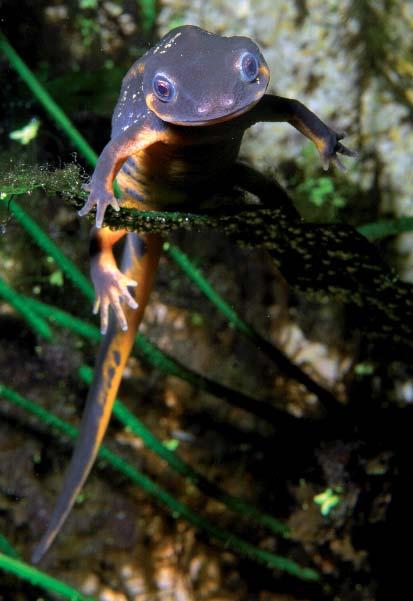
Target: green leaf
(27, 133)
(327, 500)
(172, 444)
(56, 278)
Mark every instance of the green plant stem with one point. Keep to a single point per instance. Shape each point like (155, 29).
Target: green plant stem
(36, 323)
(130, 421)
(148, 12)
(40, 579)
(7, 548)
(176, 508)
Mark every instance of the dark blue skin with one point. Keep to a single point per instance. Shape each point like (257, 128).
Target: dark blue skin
(176, 132)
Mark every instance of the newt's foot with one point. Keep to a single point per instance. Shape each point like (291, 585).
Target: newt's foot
(331, 147)
(102, 199)
(111, 288)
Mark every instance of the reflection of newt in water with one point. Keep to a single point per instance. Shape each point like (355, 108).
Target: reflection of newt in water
(176, 132)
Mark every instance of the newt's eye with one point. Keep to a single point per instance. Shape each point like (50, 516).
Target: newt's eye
(249, 67)
(163, 88)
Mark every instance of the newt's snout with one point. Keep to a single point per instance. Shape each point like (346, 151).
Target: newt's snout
(223, 102)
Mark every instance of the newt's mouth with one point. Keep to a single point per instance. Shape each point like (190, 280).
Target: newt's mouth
(215, 120)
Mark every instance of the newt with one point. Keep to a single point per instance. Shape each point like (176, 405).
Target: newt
(176, 132)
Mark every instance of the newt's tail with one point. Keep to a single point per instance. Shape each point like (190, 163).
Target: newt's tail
(140, 260)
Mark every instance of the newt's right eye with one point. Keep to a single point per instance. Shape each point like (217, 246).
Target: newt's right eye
(163, 88)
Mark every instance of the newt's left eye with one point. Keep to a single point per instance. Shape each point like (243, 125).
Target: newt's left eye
(249, 67)
(163, 88)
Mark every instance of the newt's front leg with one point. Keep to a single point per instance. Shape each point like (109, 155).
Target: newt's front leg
(326, 140)
(146, 130)
(111, 285)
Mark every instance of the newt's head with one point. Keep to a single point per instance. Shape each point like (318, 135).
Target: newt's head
(193, 77)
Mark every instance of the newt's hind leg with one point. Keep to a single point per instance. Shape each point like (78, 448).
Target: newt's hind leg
(111, 285)
(267, 189)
